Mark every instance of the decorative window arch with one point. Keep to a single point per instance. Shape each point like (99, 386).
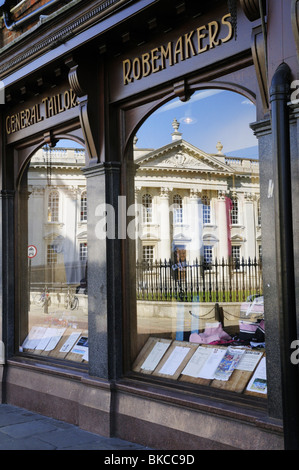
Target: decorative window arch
(53, 206)
(147, 213)
(177, 209)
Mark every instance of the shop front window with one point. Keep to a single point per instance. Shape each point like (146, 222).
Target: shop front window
(52, 292)
(199, 318)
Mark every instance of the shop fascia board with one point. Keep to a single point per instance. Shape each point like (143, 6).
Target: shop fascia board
(73, 43)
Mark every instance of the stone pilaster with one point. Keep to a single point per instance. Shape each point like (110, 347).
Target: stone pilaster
(104, 274)
(196, 225)
(250, 224)
(165, 244)
(223, 226)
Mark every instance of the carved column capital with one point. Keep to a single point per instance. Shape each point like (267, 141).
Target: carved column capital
(165, 192)
(222, 193)
(248, 197)
(195, 193)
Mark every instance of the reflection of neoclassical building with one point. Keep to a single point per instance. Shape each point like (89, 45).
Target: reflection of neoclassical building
(192, 204)
(58, 215)
(201, 205)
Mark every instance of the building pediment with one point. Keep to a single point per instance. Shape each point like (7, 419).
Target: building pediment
(182, 156)
(181, 237)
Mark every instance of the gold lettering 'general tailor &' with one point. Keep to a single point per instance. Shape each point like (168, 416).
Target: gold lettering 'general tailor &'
(49, 107)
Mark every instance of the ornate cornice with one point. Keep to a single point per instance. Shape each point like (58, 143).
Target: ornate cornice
(56, 37)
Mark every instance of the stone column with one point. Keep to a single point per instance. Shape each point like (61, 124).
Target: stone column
(104, 273)
(294, 144)
(70, 219)
(138, 221)
(36, 231)
(7, 241)
(270, 269)
(250, 227)
(196, 225)
(223, 226)
(163, 209)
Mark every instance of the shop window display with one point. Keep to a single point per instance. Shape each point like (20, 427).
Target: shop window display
(199, 304)
(53, 292)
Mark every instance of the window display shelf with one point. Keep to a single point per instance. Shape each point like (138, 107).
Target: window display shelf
(233, 368)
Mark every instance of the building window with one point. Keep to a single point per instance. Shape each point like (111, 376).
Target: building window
(234, 211)
(147, 203)
(236, 253)
(51, 255)
(83, 207)
(206, 210)
(208, 254)
(83, 251)
(53, 206)
(148, 254)
(177, 209)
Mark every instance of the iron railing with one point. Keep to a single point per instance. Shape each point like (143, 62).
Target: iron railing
(229, 280)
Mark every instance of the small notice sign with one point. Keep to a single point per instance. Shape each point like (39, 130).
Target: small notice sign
(32, 251)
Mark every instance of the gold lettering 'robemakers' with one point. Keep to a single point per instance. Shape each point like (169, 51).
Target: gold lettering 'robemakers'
(188, 45)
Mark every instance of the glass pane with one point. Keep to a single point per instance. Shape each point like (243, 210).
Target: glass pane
(198, 278)
(53, 298)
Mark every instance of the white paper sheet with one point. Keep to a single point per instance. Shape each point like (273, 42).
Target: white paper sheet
(174, 360)
(209, 368)
(69, 343)
(197, 361)
(249, 360)
(57, 335)
(258, 382)
(85, 355)
(34, 336)
(155, 356)
(49, 333)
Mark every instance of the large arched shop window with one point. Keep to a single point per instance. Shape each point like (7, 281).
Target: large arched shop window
(198, 309)
(52, 254)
